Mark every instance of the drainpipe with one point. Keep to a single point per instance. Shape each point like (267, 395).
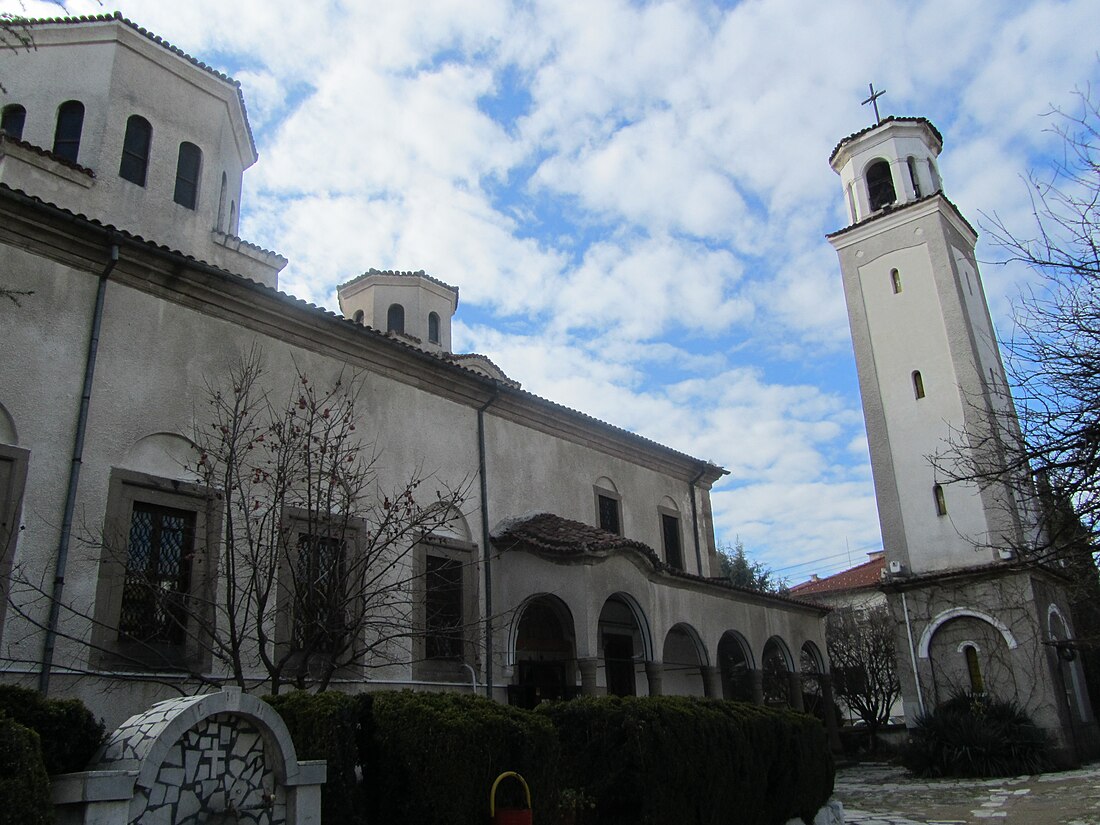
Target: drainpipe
(695, 521)
(912, 652)
(74, 474)
(486, 558)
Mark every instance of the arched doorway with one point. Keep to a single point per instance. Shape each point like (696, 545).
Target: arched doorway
(812, 666)
(545, 653)
(777, 667)
(624, 646)
(683, 659)
(736, 666)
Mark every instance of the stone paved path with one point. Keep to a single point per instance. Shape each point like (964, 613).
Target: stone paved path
(881, 794)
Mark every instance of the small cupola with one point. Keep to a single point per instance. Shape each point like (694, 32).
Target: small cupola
(409, 304)
(888, 165)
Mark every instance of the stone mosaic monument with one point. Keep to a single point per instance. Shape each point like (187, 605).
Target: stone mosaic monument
(197, 760)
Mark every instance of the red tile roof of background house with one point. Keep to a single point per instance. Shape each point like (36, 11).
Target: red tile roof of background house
(868, 574)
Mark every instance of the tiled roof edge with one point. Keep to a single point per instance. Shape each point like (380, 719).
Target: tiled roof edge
(46, 153)
(884, 121)
(420, 273)
(891, 210)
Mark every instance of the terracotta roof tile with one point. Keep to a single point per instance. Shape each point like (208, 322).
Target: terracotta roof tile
(400, 274)
(868, 574)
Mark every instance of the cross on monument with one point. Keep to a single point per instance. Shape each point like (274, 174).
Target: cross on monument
(873, 100)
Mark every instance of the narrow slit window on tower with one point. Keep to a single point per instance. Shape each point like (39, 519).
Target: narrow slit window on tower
(12, 120)
(918, 384)
(395, 318)
(433, 327)
(221, 203)
(135, 150)
(895, 281)
(880, 185)
(912, 163)
(66, 137)
(188, 168)
(941, 502)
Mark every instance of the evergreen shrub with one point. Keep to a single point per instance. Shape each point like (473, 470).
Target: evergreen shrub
(658, 760)
(331, 726)
(974, 734)
(69, 733)
(433, 758)
(24, 786)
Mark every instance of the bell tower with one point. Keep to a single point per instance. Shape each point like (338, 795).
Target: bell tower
(974, 609)
(930, 371)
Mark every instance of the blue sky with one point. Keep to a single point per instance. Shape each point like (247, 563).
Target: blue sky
(633, 197)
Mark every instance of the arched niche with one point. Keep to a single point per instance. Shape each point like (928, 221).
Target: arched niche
(683, 658)
(165, 455)
(736, 664)
(777, 664)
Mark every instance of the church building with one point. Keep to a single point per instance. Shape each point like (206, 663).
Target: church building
(975, 609)
(580, 558)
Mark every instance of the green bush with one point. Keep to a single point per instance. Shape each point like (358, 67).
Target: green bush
(24, 786)
(691, 761)
(69, 733)
(331, 726)
(976, 735)
(433, 758)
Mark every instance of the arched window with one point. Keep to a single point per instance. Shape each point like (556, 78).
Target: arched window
(188, 168)
(912, 163)
(918, 384)
(895, 280)
(135, 150)
(395, 318)
(359, 315)
(221, 203)
(880, 186)
(974, 669)
(941, 502)
(433, 327)
(11, 123)
(66, 137)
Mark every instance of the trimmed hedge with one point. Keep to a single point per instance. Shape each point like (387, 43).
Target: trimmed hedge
(431, 758)
(973, 734)
(676, 759)
(434, 757)
(331, 726)
(24, 786)
(69, 733)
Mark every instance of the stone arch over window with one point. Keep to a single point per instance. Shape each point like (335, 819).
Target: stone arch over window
(135, 150)
(433, 327)
(543, 651)
(683, 658)
(918, 385)
(625, 644)
(188, 173)
(939, 499)
(895, 281)
(12, 119)
(70, 124)
(395, 318)
(955, 613)
(777, 664)
(880, 185)
(736, 665)
(165, 455)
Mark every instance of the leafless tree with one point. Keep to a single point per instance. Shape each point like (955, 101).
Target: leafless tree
(864, 664)
(308, 571)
